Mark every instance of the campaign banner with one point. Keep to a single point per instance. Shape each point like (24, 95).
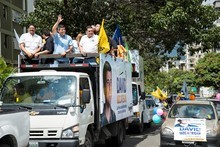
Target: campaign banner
(115, 89)
(190, 129)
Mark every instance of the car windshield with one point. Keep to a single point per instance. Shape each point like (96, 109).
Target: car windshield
(192, 111)
(37, 90)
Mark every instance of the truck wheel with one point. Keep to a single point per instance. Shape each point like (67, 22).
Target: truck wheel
(118, 139)
(4, 145)
(141, 127)
(88, 140)
(149, 125)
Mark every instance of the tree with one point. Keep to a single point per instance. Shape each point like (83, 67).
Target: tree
(207, 70)
(77, 14)
(185, 22)
(154, 27)
(5, 70)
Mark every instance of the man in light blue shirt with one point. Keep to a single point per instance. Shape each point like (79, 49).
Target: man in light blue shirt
(62, 42)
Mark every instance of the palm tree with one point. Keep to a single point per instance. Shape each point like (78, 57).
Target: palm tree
(5, 70)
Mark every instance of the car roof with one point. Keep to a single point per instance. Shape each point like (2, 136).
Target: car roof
(214, 100)
(192, 102)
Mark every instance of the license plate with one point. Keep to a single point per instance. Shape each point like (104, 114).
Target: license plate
(188, 142)
(33, 144)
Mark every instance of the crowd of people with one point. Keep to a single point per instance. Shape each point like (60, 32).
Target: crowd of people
(58, 42)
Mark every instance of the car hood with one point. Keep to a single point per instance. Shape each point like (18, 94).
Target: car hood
(169, 123)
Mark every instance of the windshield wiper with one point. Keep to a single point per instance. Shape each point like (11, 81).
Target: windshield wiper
(62, 106)
(24, 107)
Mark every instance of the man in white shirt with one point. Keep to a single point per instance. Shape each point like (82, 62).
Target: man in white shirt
(30, 43)
(89, 44)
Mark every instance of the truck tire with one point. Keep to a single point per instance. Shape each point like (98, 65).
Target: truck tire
(141, 126)
(88, 140)
(148, 124)
(118, 139)
(4, 145)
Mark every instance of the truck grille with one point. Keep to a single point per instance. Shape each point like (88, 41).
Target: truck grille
(43, 133)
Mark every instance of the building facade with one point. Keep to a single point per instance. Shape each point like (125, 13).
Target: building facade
(11, 12)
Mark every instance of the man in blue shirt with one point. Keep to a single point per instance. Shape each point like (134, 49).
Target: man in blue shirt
(62, 42)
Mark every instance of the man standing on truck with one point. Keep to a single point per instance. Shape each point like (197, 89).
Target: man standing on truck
(30, 43)
(89, 44)
(63, 43)
(108, 114)
(48, 47)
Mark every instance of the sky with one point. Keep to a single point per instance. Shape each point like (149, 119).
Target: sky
(209, 2)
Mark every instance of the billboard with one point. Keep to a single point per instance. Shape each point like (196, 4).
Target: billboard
(116, 94)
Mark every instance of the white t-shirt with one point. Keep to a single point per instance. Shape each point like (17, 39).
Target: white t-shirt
(31, 43)
(90, 45)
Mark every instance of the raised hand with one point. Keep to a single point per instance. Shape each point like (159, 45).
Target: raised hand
(59, 19)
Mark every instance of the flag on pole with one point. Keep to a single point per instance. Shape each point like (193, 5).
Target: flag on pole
(184, 90)
(127, 51)
(103, 45)
(117, 36)
(16, 36)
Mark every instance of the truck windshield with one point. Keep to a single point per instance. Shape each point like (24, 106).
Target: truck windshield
(134, 94)
(49, 89)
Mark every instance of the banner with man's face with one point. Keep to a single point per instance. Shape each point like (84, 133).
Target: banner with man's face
(115, 89)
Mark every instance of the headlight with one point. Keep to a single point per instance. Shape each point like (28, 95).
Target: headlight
(71, 132)
(167, 131)
(211, 132)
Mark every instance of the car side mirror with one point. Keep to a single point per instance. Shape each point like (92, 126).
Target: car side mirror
(86, 96)
(143, 95)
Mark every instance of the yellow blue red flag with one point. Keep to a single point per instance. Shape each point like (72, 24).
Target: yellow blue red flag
(103, 45)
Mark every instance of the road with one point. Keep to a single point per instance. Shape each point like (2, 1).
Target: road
(150, 138)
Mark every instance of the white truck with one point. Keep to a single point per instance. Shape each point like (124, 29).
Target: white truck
(68, 105)
(140, 116)
(14, 127)
(206, 92)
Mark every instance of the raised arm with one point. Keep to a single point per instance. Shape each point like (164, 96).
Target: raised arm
(54, 28)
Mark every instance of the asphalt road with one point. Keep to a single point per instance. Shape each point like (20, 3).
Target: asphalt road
(149, 138)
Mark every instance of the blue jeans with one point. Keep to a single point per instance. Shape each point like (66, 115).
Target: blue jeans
(61, 61)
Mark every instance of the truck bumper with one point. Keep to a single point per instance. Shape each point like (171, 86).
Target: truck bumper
(54, 143)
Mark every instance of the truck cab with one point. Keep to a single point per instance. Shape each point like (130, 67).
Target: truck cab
(66, 101)
(137, 121)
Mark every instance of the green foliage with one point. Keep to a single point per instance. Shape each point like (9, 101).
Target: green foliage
(171, 81)
(207, 70)
(5, 70)
(186, 22)
(153, 27)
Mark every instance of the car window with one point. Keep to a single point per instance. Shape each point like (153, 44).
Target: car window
(217, 105)
(192, 111)
(149, 103)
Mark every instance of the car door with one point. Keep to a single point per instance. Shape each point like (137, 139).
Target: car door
(147, 111)
(151, 109)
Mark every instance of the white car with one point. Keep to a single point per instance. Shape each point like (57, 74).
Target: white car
(149, 111)
(191, 123)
